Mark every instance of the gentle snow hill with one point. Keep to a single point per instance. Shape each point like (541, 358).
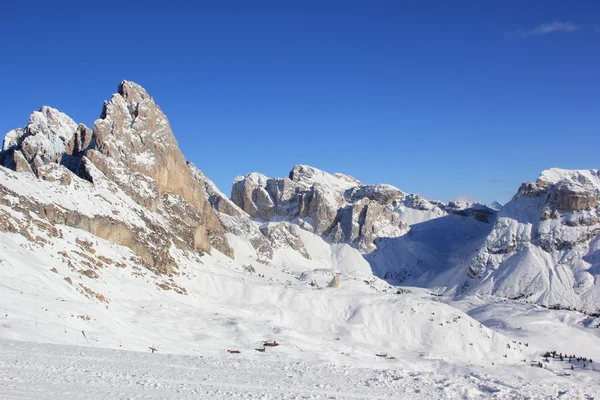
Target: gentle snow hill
(226, 306)
(214, 303)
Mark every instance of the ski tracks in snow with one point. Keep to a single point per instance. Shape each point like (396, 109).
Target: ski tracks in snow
(46, 371)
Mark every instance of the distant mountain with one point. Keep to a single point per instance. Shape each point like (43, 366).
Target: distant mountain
(495, 205)
(341, 209)
(541, 247)
(545, 244)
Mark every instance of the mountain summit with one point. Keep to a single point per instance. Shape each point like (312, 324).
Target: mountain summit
(131, 153)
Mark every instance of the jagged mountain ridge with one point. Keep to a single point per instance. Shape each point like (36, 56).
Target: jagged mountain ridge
(131, 160)
(542, 246)
(340, 208)
(94, 231)
(156, 199)
(132, 154)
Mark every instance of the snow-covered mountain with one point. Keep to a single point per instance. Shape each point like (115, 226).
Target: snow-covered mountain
(545, 244)
(110, 238)
(405, 238)
(541, 247)
(341, 209)
(495, 205)
(126, 181)
(88, 211)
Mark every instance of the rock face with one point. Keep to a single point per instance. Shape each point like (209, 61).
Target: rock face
(335, 282)
(134, 133)
(340, 208)
(283, 235)
(50, 137)
(131, 152)
(545, 244)
(234, 220)
(136, 148)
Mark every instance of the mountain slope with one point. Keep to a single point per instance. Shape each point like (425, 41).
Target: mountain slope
(544, 246)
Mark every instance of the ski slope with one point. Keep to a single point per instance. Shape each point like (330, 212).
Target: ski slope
(34, 370)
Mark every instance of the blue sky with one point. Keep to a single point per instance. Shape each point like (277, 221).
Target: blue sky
(447, 99)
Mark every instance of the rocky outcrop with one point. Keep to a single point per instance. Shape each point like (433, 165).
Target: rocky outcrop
(335, 282)
(283, 235)
(340, 208)
(233, 219)
(133, 149)
(50, 137)
(130, 227)
(136, 148)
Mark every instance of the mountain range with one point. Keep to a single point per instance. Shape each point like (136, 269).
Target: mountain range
(126, 181)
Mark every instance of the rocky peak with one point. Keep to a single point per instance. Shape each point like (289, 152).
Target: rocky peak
(384, 194)
(132, 92)
(338, 207)
(579, 178)
(565, 190)
(571, 190)
(132, 147)
(50, 137)
(132, 128)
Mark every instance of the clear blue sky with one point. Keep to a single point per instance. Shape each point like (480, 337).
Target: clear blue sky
(443, 98)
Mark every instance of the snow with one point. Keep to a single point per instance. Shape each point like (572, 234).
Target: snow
(103, 198)
(11, 138)
(254, 178)
(309, 176)
(495, 205)
(48, 133)
(428, 254)
(329, 337)
(575, 178)
(145, 159)
(79, 313)
(539, 252)
(33, 370)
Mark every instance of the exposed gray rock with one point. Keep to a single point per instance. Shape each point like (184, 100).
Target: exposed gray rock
(131, 145)
(282, 235)
(233, 219)
(339, 207)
